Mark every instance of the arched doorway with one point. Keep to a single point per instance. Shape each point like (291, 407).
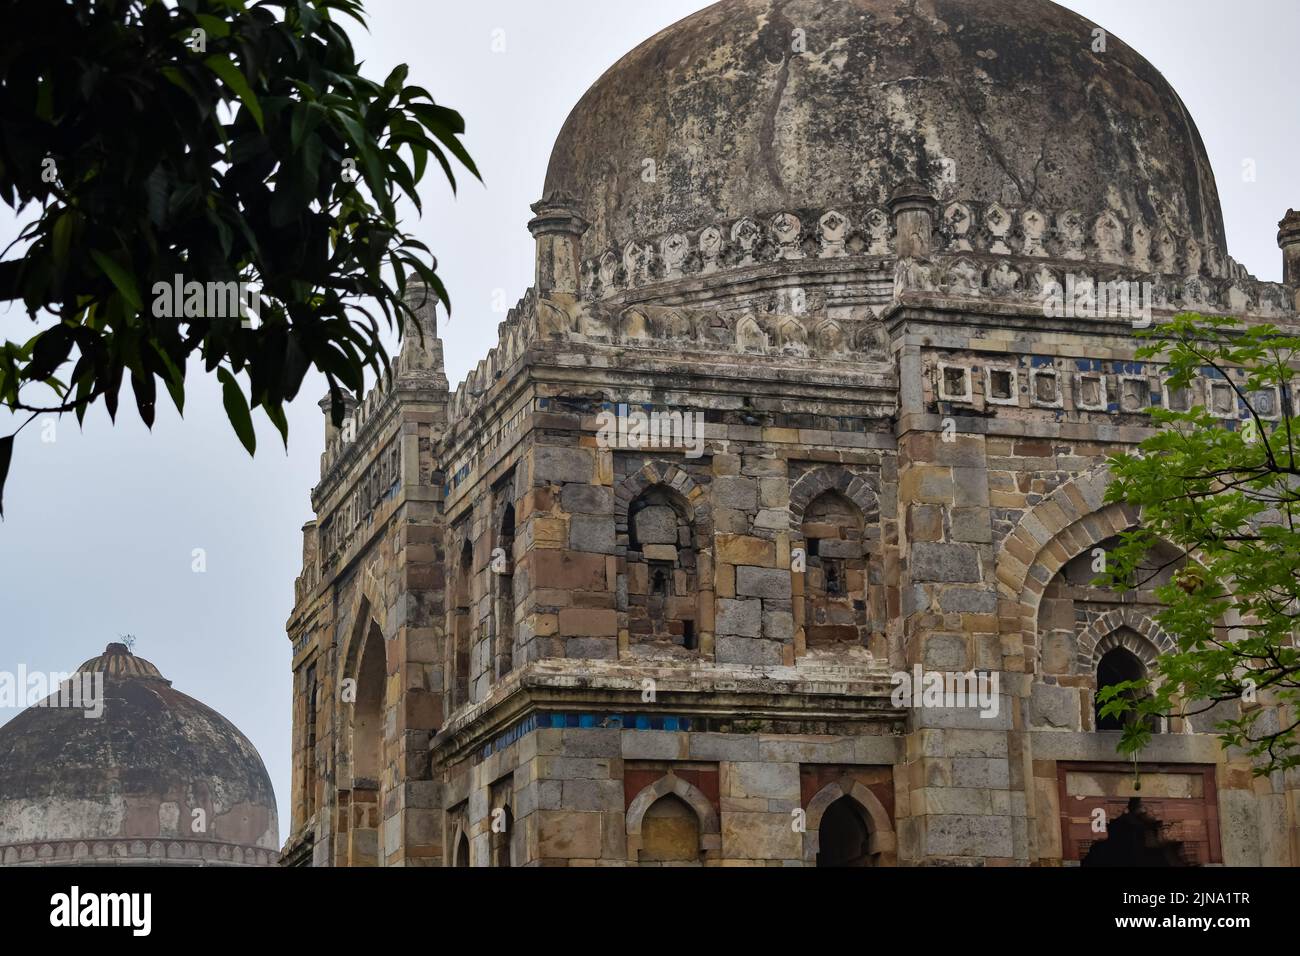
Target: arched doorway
(848, 825)
(365, 846)
(844, 838)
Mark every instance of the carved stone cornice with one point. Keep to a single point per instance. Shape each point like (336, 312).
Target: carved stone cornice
(855, 695)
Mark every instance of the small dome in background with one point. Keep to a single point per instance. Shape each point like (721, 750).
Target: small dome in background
(156, 778)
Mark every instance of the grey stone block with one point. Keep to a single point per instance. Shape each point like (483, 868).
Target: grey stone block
(968, 601)
(778, 626)
(981, 772)
(834, 548)
(957, 563)
(763, 582)
(592, 742)
(763, 779)
(739, 618)
(654, 745)
(656, 525)
(945, 652)
(971, 524)
(593, 795)
(1052, 706)
(591, 533)
(747, 650)
(733, 492)
(723, 747)
(556, 464)
(587, 499)
(772, 519)
(592, 648)
(960, 834)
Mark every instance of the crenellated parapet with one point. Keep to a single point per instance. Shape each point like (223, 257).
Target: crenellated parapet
(358, 421)
(417, 367)
(514, 336)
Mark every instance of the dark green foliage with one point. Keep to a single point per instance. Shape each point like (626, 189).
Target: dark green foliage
(152, 154)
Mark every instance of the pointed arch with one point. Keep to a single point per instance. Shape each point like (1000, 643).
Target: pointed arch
(362, 746)
(750, 336)
(635, 326)
(669, 475)
(882, 842)
(366, 604)
(710, 833)
(1102, 635)
(835, 522)
(791, 336)
(834, 598)
(862, 490)
(460, 848)
(664, 531)
(1049, 535)
(1068, 522)
(829, 337)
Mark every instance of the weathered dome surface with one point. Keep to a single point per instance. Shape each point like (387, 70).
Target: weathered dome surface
(124, 786)
(1009, 92)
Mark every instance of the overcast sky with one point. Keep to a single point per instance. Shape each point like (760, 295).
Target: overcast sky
(101, 524)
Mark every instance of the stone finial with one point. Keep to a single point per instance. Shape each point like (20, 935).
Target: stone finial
(332, 430)
(913, 208)
(420, 360)
(1288, 240)
(558, 227)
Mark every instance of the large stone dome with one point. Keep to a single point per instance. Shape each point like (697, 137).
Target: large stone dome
(985, 101)
(124, 787)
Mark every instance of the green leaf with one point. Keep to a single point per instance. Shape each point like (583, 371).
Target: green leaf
(120, 278)
(62, 239)
(214, 25)
(174, 380)
(146, 397)
(220, 64)
(177, 78)
(237, 409)
(275, 413)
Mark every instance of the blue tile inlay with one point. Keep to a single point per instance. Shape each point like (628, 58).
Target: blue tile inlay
(560, 721)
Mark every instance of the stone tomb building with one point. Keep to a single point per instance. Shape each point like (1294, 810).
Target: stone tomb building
(824, 232)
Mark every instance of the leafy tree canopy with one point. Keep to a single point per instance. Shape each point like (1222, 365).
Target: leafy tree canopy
(220, 141)
(1228, 495)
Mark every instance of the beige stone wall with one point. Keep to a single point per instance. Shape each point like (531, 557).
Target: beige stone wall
(961, 438)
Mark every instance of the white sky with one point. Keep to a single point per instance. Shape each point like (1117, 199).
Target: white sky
(101, 525)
